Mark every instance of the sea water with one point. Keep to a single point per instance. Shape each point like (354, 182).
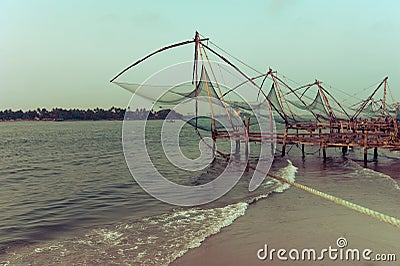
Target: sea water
(68, 197)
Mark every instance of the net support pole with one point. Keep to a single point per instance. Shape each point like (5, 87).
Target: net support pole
(237, 150)
(365, 155)
(344, 150)
(284, 141)
(246, 148)
(365, 148)
(214, 139)
(246, 143)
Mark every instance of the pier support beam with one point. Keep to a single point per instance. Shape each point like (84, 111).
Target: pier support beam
(284, 141)
(246, 154)
(214, 139)
(376, 154)
(237, 150)
(324, 152)
(247, 143)
(365, 155)
(302, 150)
(246, 150)
(365, 147)
(344, 150)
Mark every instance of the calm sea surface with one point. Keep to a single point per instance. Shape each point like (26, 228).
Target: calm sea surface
(67, 196)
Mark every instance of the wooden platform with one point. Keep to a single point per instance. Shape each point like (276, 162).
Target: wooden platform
(367, 134)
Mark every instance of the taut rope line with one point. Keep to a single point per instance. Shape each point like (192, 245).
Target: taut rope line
(361, 209)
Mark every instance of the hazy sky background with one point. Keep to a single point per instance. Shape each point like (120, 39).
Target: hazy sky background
(63, 53)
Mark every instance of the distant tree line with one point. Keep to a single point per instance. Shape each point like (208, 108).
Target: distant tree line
(59, 114)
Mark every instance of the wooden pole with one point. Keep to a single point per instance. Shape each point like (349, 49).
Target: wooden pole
(237, 150)
(375, 153)
(246, 148)
(156, 52)
(367, 101)
(384, 97)
(284, 141)
(365, 155)
(365, 147)
(214, 143)
(302, 150)
(344, 150)
(324, 152)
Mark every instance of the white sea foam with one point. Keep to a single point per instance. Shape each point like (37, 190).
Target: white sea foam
(109, 236)
(359, 170)
(288, 173)
(216, 219)
(227, 215)
(155, 240)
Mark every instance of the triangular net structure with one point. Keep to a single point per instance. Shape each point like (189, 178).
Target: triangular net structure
(377, 106)
(217, 97)
(304, 104)
(208, 103)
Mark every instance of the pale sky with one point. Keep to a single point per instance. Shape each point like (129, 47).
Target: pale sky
(63, 53)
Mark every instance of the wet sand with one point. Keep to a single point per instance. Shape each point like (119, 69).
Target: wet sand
(296, 219)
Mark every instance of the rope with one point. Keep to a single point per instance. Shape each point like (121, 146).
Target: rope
(219, 88)
(391, 94)
(290, 148)
(360, 91)
(344, 92)
(361, 209)
(208, 93)
(237, 59)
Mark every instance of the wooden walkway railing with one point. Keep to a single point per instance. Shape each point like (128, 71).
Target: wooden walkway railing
(365, 134)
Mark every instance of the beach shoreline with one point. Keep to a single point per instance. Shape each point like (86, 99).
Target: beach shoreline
(299, 220)
(230, 248)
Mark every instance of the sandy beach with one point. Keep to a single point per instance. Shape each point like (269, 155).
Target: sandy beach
(295, 219)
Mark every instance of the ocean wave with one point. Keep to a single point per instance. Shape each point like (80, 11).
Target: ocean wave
(154, 240)
(289, 173)
(359, 170)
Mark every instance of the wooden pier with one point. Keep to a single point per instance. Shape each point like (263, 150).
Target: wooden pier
(331, 124)
(366, 134)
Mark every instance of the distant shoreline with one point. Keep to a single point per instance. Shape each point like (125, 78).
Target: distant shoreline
(70, 120)
(15, 121)
(97, 114)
